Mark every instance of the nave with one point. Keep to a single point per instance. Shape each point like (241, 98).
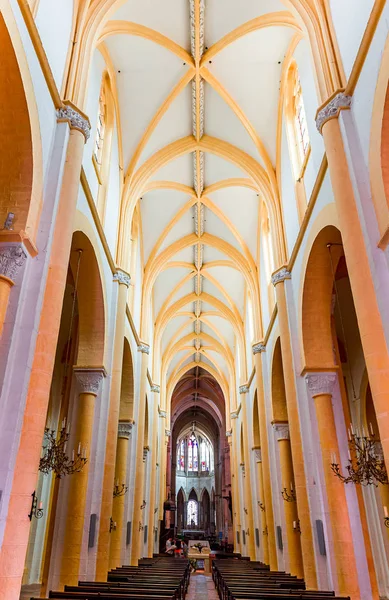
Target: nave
(194, 283)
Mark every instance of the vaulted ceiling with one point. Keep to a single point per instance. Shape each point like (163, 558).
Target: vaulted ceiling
(206, 72)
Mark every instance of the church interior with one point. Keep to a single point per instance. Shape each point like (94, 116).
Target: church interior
(194, 284)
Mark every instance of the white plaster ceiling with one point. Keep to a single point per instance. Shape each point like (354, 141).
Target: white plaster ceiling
(248, 71)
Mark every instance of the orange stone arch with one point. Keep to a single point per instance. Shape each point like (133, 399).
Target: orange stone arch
(21, 157)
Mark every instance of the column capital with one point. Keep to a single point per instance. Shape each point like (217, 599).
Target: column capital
(280, 276)
(77, 120)
(162, 413)
(144, 348)
(258, 348)
(89, 379)
(282, 431)
(229, 433)
(122, 277)
(146, 450)
(168, 432)
(244, 389)
(235, 413)
(12, 258)
(258, 454)
(124, 429)
(320, 383)
(155, 388)
(331, 109)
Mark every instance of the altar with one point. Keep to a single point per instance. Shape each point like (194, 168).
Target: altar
(200, 550)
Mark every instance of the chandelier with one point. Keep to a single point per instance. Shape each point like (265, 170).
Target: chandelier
(366, 464)
(119, 490)
(54, 454)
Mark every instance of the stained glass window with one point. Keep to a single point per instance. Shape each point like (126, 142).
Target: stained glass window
(193, 512)
(181, 456)
(193, 454)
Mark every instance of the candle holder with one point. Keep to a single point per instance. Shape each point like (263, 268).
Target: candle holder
(245, 510)
(140, 526)
(265, 531)
(261, 505)
(288, 497)
(143, 505)
(112, 525)
(35, 511)
(120, 490)
(54, 454)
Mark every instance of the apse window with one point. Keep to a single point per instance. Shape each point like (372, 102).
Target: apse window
(298, 135)
(193, 512)
(100, 129)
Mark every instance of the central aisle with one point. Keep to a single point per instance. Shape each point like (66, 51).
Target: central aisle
(201, 588)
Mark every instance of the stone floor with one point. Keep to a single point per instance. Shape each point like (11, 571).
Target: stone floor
(201, 588)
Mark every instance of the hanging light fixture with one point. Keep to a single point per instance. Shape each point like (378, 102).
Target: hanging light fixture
(54, 447)
(366, 464)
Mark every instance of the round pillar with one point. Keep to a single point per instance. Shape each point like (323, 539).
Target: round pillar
(265, 537)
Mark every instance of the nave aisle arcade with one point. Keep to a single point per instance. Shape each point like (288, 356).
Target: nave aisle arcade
(194, 277)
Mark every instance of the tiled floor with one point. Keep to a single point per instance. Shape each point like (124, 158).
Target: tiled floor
(201, 588)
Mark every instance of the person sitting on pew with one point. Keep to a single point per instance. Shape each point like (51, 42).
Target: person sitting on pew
(170, 547)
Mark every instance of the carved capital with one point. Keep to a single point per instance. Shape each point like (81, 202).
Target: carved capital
(144, 348)
(122, 277)
(89, 379)
(124, 429)
(258, 348)
(168, 432)
(146, 450)
(12, 258)
(75, 118)
(282, 431)
(163, 414)
(281, 275)
(155, 388)
(234, 414)
(332, 109)
(229, 433)
(244, 389)
(321, 383)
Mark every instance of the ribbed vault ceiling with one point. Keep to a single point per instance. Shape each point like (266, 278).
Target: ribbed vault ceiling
(198, 85)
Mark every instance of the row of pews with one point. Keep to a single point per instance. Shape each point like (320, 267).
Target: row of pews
(243, 580)
(161, 578)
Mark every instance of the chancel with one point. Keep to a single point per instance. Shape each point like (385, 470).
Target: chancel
(194, 284)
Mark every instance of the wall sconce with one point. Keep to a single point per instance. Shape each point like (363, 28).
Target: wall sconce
(245, 510)
(289, 497)
(261, 505)
(112, 525)
(386, 519)
(265, 531)
(155, 510)
(143, 505)
(35, 511)
(296, 526)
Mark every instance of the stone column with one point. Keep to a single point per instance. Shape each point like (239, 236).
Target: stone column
(88, 380)
(155, 389)
(267, 487)
(261, 504)
(248, 496)
(162, 464)
(137, 518)
(307, 546)
(105, 537)
(118, 504)
(236, 520)
(320, 386)
(27, 461)
(290, 508)
(371, 330)
(12, 259)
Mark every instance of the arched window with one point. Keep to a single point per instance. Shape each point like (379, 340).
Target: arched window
(193, 454)
(181, 456)
(297, 131)
(193, 513)
(101, 125)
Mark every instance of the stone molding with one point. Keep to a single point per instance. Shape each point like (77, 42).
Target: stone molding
(12, 258)
(89, 379)
(244, 389)
(144, 348)
(122, 277)
(280, 276)
(320, 383)
(76, 119)
(124, 429)
(155, 388)
(331, 110)
(258, 348)
(282, 431)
